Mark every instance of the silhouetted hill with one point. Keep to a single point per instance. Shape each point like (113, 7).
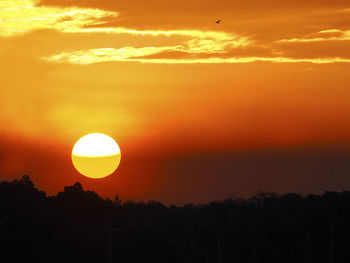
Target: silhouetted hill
(79, 226)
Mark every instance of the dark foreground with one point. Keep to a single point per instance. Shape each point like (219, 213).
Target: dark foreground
(79, 226)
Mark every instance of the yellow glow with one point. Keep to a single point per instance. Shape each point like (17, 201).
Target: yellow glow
(96, 155)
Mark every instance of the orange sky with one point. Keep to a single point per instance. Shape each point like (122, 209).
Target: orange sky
(200, 110)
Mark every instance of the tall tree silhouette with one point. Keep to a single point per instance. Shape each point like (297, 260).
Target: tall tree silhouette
(79, 226)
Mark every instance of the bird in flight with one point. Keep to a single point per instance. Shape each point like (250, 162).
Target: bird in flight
(218, 21)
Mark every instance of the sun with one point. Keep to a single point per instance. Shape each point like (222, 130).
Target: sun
(96, 155)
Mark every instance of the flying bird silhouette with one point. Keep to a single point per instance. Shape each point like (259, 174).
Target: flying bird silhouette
(218, 21)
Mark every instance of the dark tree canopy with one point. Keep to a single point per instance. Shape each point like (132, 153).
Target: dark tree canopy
(79, 226)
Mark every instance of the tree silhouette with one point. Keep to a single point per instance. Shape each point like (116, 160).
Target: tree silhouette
(79, 226)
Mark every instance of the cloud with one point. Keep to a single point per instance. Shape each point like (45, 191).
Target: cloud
(194, 6)
(23, 16)
(196, 42)
(323, 35)
(19, 17)
(191, 45)
(333, 42)
(126, 54)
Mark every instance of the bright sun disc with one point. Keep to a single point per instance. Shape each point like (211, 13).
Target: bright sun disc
(96, 155)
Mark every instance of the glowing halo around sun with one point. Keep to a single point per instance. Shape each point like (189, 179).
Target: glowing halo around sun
(96, 155)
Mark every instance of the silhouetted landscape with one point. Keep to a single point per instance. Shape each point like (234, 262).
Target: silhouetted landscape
(79, 226)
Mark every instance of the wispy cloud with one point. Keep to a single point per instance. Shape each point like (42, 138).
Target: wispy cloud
(323, 35)
(18, 17)
(191, 46)
(23, 16)
(93, 56)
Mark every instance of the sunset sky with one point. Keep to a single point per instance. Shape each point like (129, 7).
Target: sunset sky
(201, 110)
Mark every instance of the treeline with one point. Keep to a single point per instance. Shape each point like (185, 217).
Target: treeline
(79, 226)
